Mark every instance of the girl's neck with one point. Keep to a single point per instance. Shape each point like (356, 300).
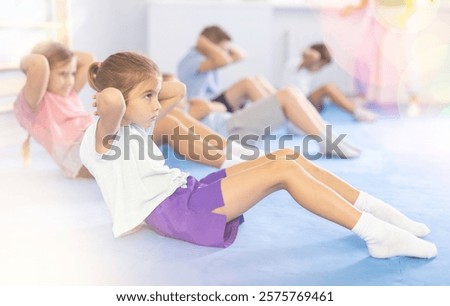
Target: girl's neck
(125, 122)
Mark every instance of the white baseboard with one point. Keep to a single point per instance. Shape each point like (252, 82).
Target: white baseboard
(6, 107)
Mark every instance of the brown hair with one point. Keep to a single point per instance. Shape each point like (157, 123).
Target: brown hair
(123, 71)
(325, 55)
(55, 52)
(215, 34)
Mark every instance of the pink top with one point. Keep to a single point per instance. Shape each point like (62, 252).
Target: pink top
(57, 124)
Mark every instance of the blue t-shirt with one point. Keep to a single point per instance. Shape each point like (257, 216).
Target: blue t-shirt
(198, 84)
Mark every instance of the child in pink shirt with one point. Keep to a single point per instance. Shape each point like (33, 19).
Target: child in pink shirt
(48, 106)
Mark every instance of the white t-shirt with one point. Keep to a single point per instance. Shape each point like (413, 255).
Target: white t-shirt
(132, 176)
(292, 76)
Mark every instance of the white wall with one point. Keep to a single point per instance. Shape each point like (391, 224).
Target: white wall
(271, 31)
(174, 28)
(103, 27)
(165, 30)
(107, 26)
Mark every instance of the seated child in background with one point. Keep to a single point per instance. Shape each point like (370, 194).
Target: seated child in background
(199, 70)
(286, 106)
(298, 72)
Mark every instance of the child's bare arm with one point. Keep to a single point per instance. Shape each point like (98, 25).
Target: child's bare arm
(216, 56)
(171, 94)
(235, 52)
(111, 109)
(37, 70)
(83, 61)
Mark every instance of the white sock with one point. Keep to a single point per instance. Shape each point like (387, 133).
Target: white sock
(386, 212)
(359, 100)
(231, 162)
(362, 114)
(413, 110)
(385, 240)
(346, 150)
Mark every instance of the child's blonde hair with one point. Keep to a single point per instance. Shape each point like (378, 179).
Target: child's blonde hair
(123, 71)
(55, 52)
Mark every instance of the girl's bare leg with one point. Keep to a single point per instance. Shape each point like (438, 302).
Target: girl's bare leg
(244, 189)
(300, 112)
(336, 96)
(265, 178)
(361, 200)
(327, 178)
(245, 89)
(268, 88)
(193, 147)
(210, 136)
(199, 128)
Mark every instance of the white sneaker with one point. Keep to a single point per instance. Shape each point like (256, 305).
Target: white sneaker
(413, 110)
(359, 101)
(362, 114)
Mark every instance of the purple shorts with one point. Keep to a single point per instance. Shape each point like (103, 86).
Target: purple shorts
(187, 214)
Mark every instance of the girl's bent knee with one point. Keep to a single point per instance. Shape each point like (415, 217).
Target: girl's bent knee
(289, 94)
(259, 78)
(286, 153)
(287, 170)
(284, 165)
(282, 171)
(247, 82)
(329, 87)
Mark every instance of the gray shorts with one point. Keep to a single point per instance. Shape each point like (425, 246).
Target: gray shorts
(251, 122)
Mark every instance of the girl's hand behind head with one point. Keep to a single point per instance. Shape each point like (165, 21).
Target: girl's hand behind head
(109, 100)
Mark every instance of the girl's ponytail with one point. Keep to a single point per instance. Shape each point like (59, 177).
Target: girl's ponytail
(123, 71)
(92, 75)
(26, 150)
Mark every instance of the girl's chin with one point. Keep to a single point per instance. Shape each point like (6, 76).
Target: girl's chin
(150, 125)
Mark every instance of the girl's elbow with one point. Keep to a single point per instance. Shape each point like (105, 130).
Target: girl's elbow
(35, 62)
(113, 99)
(223, 61)
(181, 89)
